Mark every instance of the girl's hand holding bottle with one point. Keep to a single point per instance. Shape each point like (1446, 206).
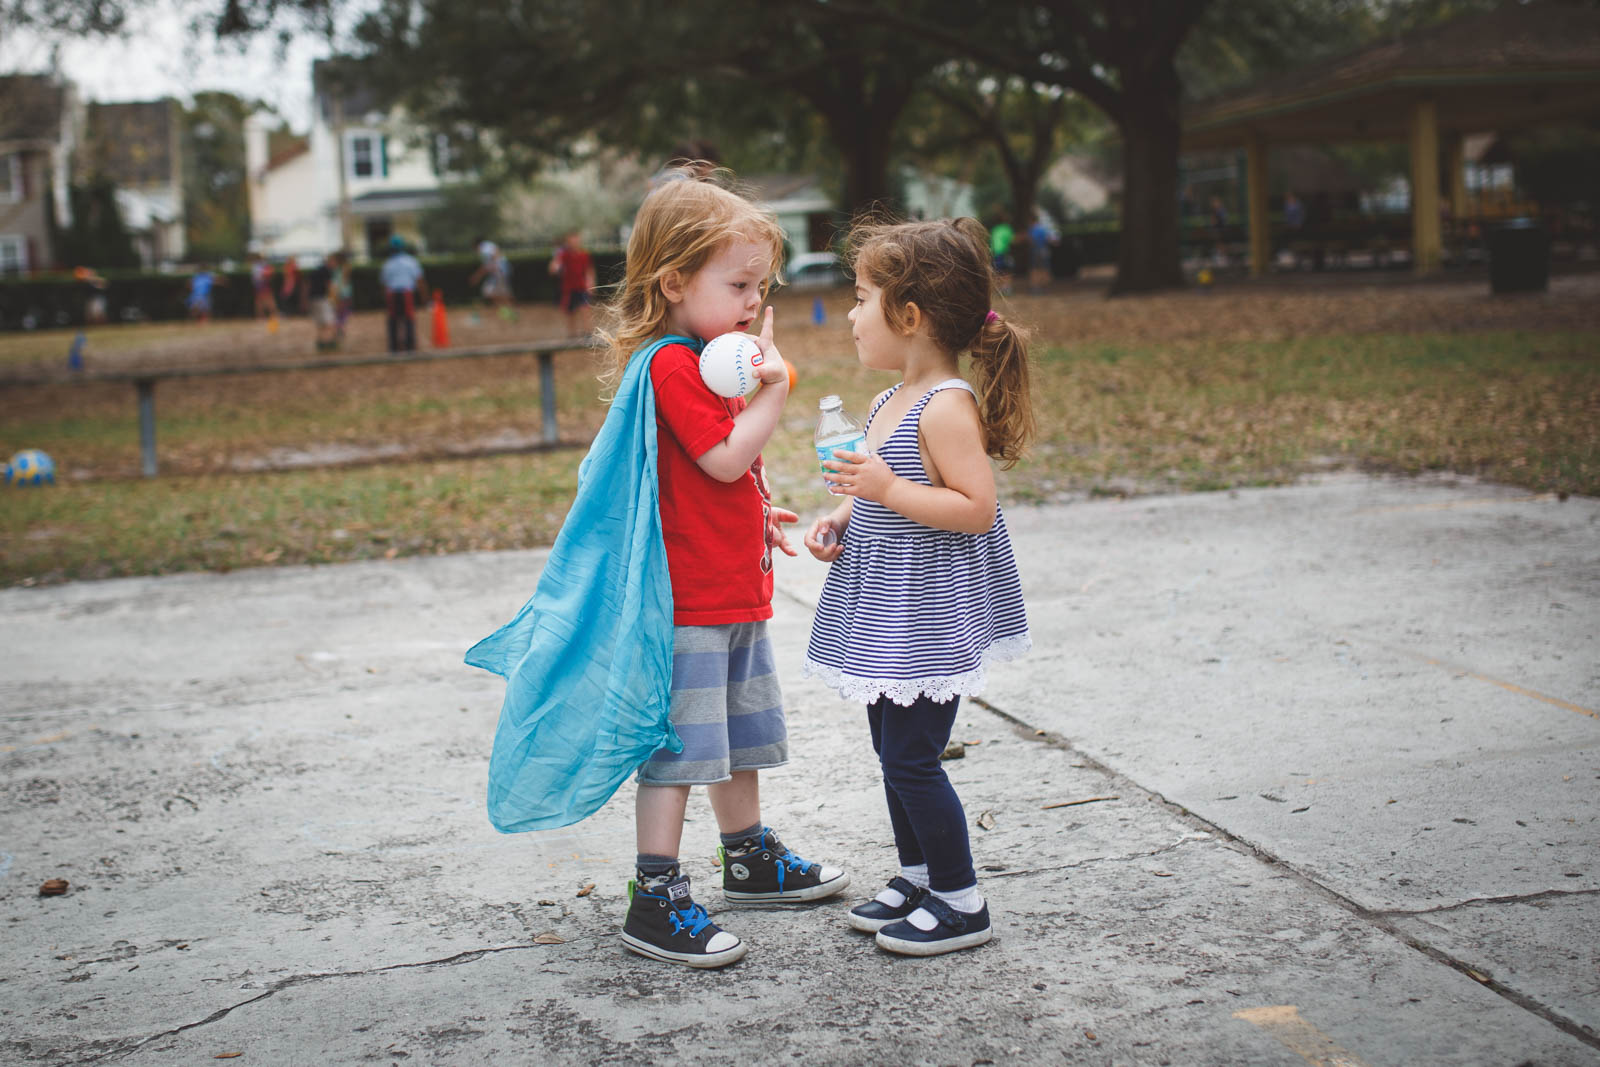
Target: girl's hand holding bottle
(860, 474)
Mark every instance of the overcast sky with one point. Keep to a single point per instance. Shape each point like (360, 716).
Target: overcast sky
(158, 56)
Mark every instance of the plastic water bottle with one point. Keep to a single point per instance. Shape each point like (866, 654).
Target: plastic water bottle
(836, 430)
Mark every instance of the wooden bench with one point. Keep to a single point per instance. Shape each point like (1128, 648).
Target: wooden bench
(144, 379)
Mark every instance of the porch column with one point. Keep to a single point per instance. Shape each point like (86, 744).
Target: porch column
(1260, 226)
(1424, 187)
(1455, 160)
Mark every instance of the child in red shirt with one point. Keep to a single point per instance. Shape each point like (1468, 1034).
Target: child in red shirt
(699, 261)
(575, 267)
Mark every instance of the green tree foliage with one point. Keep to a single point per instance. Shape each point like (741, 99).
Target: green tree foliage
(216, 197)
(465, 212)
(97, 238)
(554, 79)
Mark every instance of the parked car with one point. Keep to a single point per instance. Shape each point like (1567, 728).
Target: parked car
(815, 270)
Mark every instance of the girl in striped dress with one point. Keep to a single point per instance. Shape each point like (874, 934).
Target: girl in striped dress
(923, 593)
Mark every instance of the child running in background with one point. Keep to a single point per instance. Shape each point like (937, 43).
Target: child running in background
(923, 593)
(652, 607)
(574, 266)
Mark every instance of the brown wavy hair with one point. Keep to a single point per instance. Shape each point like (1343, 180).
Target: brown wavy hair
(693, 211)
(944, 268)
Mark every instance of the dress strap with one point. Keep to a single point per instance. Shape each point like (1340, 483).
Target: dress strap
(884, 399)
(951, 383)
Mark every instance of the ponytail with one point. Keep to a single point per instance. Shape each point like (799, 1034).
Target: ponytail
(1005, 401)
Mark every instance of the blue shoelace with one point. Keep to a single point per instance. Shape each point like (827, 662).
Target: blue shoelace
(693, 918)
(788, 861)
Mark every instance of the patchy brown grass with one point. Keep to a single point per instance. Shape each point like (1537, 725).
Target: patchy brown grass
(1191, 390)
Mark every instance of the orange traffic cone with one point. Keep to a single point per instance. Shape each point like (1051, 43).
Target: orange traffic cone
(441, 321)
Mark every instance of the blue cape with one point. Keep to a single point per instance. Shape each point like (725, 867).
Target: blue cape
(588, 659)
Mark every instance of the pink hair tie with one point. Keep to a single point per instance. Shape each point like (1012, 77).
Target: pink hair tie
(991, 317)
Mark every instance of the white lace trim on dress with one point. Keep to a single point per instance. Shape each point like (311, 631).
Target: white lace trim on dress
(905, 691)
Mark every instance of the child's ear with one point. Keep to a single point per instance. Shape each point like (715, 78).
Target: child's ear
(913, 318)
(672, 286)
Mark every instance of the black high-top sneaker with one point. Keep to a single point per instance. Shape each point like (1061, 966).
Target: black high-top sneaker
(760, 870)
(665, 923)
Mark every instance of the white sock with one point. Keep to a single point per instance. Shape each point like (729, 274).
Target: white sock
(893, 898)
(968, 900)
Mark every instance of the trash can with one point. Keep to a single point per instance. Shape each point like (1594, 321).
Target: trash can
(1519, 257)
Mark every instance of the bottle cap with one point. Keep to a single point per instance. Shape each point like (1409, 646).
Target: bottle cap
(829, 402)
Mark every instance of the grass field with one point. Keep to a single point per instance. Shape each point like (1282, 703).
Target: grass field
(1189, 391)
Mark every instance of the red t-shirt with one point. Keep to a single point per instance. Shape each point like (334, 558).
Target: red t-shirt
(715, 532)
(575, 265)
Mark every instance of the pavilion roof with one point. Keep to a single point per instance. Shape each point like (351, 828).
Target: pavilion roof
(1516, 65)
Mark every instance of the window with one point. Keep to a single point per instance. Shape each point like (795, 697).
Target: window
(13, 254)
(10, 178)
(367, 155)
(361, 156)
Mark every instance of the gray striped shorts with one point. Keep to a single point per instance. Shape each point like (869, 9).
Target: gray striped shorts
(726, 706)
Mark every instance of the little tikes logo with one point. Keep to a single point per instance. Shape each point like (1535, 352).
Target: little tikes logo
(758, 359)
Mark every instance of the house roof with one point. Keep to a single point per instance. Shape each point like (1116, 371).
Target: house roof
(1512, 66)
(788, 192)
(135, 143)
(30, 107)
(384, 201)
(344, 79)
(288, 152)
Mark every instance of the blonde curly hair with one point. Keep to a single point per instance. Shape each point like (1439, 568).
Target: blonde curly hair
(679, 227)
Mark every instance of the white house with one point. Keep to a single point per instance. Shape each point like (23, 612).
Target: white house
(39, 121)
(363, 174)
(139, 146)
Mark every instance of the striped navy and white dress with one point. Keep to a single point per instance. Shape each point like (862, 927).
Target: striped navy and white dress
(909, 610)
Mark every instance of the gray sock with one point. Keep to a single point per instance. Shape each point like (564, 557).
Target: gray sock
(654, 869)
(731, 842)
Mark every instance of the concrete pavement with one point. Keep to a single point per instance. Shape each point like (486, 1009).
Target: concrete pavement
(1348, 730)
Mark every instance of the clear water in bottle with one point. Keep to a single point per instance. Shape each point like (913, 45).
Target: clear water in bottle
(836, 430)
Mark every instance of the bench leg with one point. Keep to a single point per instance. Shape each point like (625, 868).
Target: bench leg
(547, 395)
(146, 388)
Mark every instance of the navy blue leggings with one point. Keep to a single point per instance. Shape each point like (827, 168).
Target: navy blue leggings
(929, 824)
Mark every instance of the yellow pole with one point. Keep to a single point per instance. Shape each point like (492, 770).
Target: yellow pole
(1256, 191)
(1424, 187)
(1456, 160)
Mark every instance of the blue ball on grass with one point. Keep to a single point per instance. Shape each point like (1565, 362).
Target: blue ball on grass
(31, 467)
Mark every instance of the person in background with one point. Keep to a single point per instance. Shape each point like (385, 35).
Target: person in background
(575, 267)
(1042, 242)
(341, 291)
(494, 271)
(401, 277)
(201, 282)
(261, 281)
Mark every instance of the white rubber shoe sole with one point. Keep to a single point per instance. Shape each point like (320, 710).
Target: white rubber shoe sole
(826, 888)
(721, 958)
(934, 948)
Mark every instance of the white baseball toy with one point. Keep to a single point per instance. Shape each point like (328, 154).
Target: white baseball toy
(730, 364)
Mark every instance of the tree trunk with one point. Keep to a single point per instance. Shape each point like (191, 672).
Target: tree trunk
(861, 134)
(866, 171)
(1147, 258)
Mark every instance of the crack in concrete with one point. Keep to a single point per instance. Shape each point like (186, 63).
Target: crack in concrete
(1378, 919)
(1512, 898)
(468, 956)
(1092, 860)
